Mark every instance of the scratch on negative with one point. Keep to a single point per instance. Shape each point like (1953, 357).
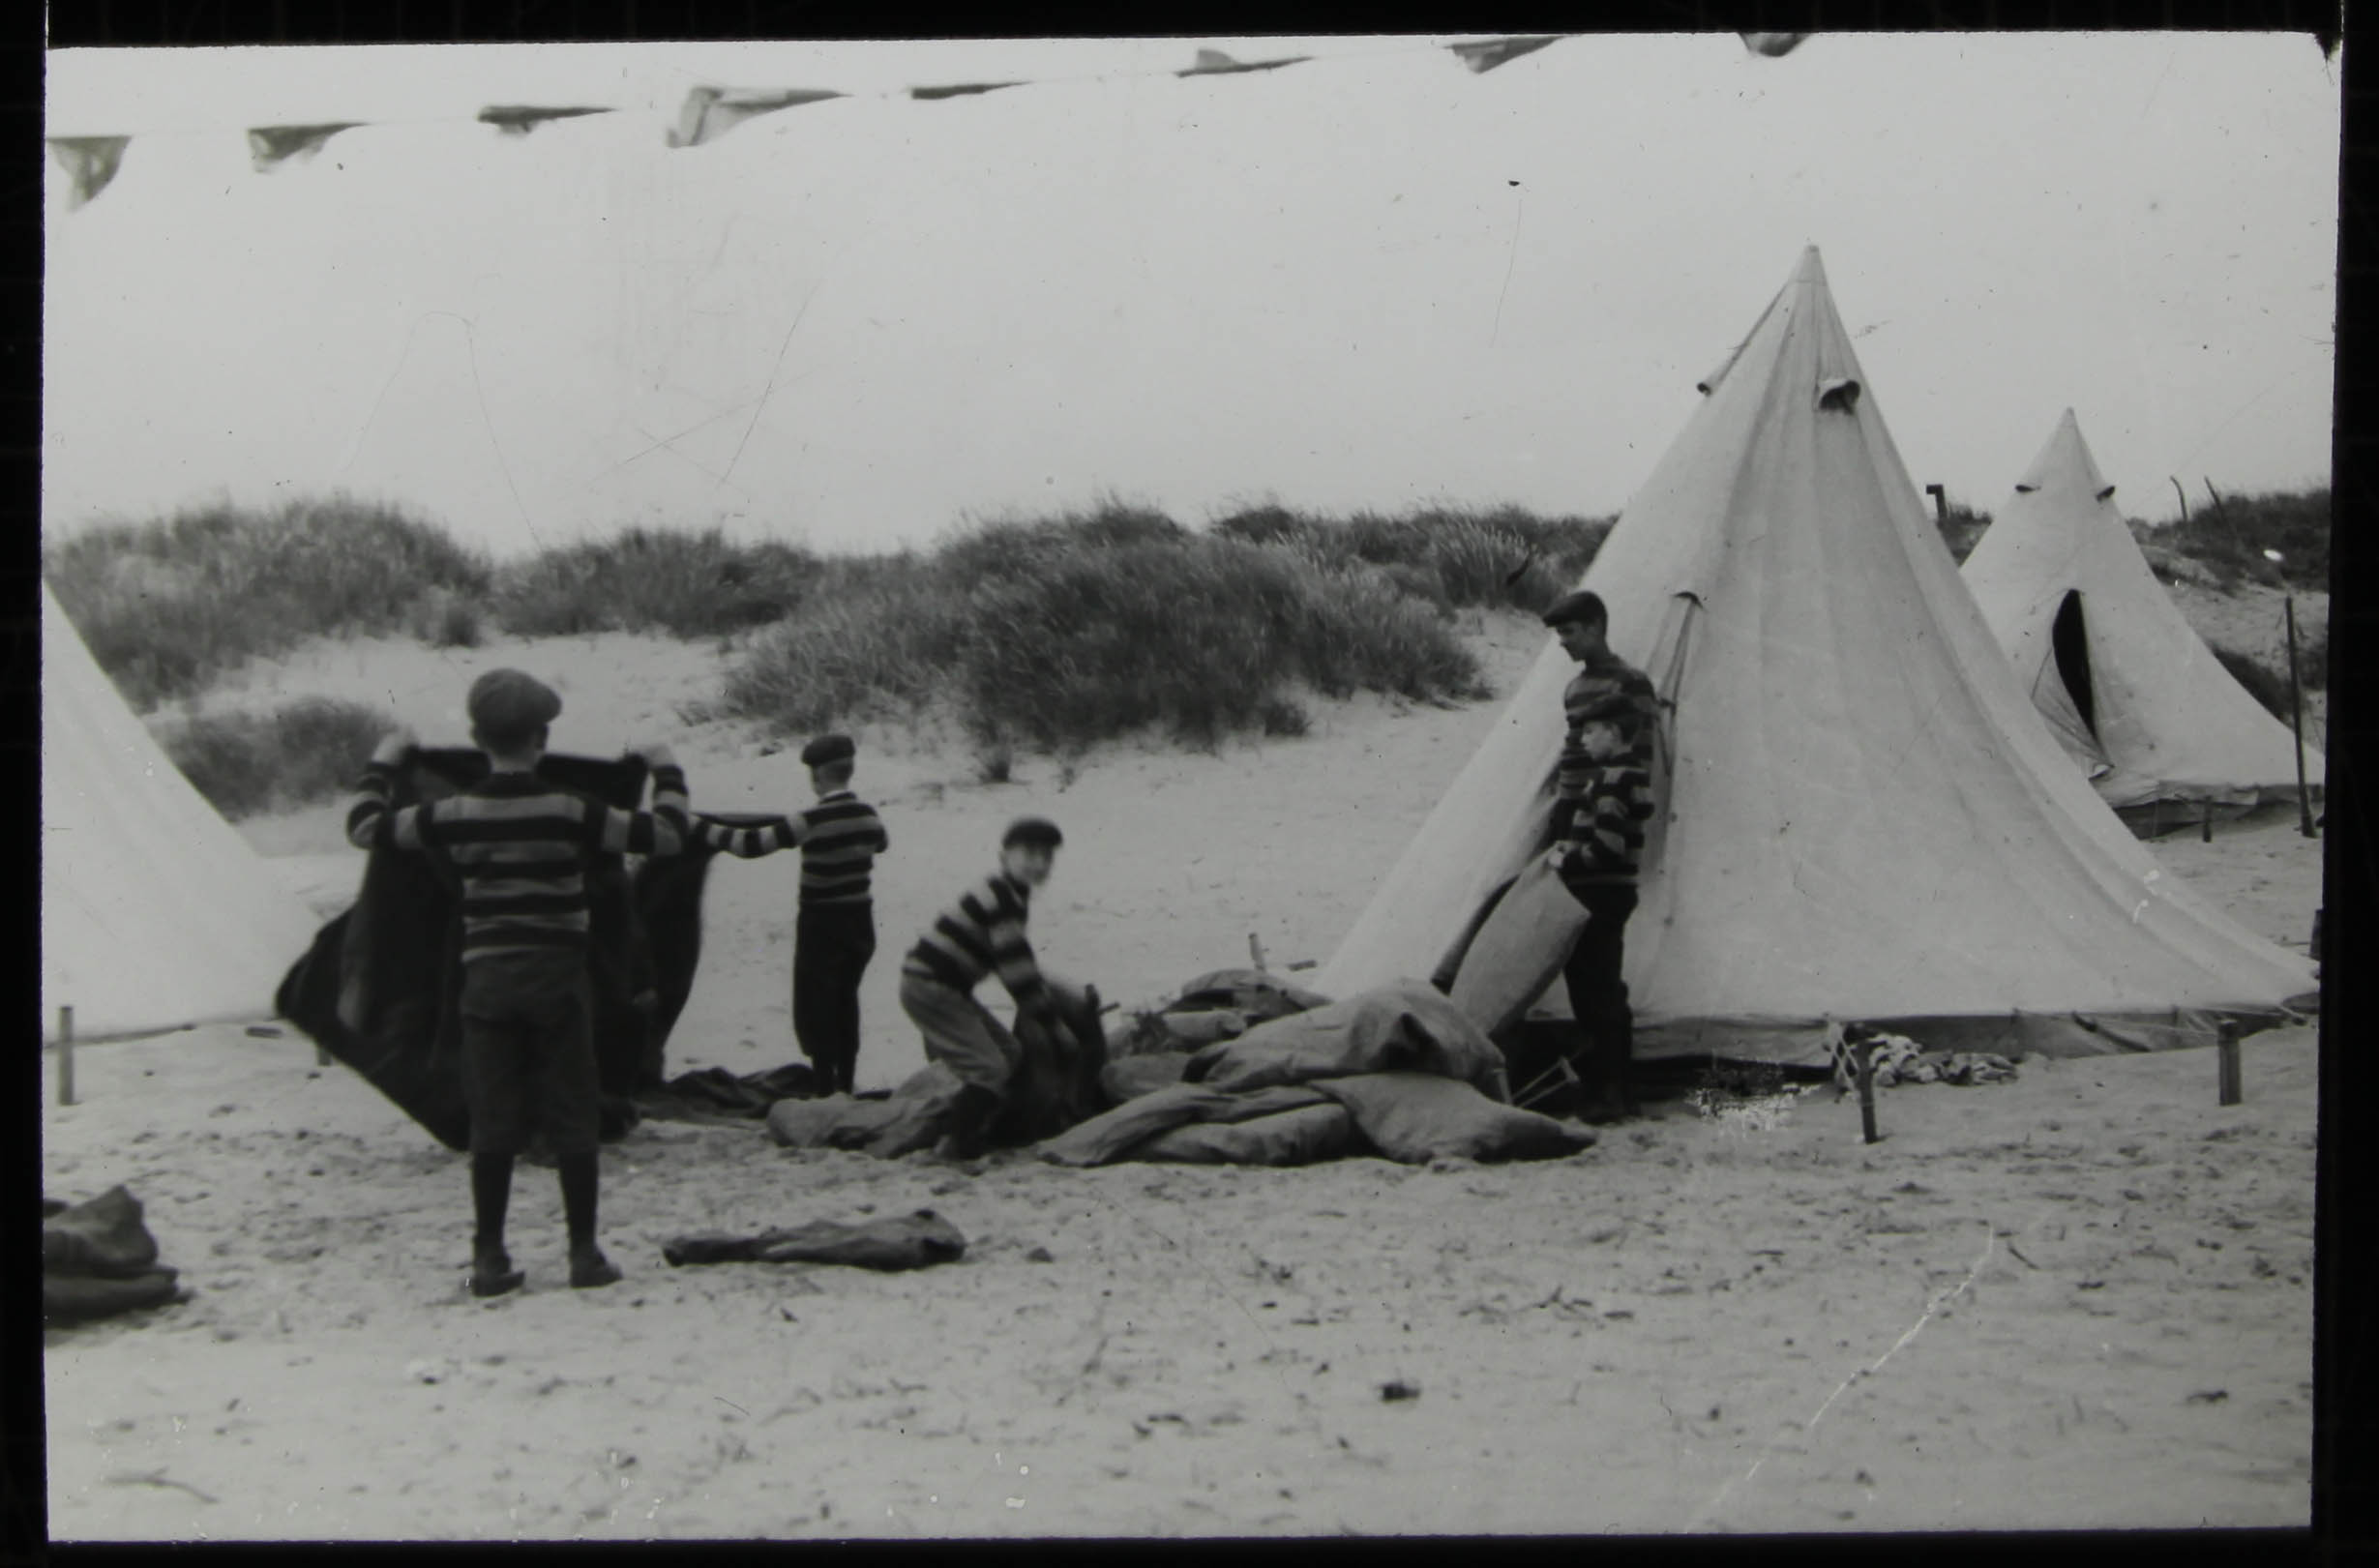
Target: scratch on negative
(769, 390)
(1989, 1243)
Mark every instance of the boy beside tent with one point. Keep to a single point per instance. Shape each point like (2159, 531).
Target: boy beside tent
(1602, 798)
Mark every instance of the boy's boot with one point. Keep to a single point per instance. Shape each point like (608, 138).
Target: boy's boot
(970, 1120)
(492, 1270)
(589, 1269)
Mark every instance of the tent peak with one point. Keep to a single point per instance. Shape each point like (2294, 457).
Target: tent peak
(1812, 268)
(2065, 462)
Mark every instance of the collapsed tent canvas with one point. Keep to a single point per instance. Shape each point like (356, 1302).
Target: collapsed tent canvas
(1863, 817)
(2129, 687)
(155, 914)
(378, 989)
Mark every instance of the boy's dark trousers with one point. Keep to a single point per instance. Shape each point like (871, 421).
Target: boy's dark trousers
(1598, 993)
(529, 1060)
(832, 945)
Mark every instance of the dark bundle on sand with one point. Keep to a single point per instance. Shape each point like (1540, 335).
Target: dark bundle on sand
(1058, 1086)
(99, 1259)
(380, 989)
(898, 1241)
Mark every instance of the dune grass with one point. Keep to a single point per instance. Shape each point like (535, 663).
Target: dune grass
(1053, 631)
(697, 584)
(2230, 537)
(169, 605)
(1059, 631)
(302, 753)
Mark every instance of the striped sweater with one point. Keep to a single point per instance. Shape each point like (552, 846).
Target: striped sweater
(521, 847)
(1602, 803)
(838, 839)
(983, 933)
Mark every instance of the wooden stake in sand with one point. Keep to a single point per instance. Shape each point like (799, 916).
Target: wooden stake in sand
(1866, 1092)
(2296, 716)
(2226, 1064)
(65, 1055)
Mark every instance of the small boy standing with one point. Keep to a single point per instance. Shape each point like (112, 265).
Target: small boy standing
(834, 928)
(520, 847)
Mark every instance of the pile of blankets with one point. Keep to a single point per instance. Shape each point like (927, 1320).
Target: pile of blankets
(1239, 1069)
(1399, 1071)
(99, 1259)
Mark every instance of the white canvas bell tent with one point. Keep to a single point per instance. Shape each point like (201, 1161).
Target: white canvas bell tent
(2128, 686)
(155, 912)
(1861, 816)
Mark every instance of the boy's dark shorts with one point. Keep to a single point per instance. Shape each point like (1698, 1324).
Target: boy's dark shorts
(528, 1052)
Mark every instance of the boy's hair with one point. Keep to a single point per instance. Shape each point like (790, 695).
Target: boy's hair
(1584, 607)
(1031, 833)
(834, 774)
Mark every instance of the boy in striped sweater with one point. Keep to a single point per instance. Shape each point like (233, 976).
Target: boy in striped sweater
(521, 848)
(983, 933)
(1603, 796)
(834, 932)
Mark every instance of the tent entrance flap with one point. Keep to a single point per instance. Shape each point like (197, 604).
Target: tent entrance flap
(2070, 641)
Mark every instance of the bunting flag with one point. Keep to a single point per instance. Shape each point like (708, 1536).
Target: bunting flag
(928, 94)
(1487, 54)
(274, 145)
(711, 112)
(519, 119)
(1774, 45)
(89, 162)
(1215, 63)
(708, 113)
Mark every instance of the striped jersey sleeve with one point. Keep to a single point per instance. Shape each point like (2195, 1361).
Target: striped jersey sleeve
(983, 933)
(1604, 801)
(745, 842)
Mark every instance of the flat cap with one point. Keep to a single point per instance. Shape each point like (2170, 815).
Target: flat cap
(511, 702)
(828, 749)
(1037, 832)
(1581, 605)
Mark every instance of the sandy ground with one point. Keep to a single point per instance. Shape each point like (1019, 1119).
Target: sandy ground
(2082, 1299)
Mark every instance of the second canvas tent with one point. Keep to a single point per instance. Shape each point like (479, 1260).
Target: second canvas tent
(2133, 693)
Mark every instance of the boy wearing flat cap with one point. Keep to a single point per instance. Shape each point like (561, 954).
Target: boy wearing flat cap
(1603, 796)
(982, 933)
(520, 847)
(834, 928)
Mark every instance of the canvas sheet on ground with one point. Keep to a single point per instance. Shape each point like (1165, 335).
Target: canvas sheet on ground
(1399, 1071)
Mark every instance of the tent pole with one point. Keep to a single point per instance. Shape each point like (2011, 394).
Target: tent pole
(2226, 1064)
(2205, 822)
(2295, 714)
(65, 1055)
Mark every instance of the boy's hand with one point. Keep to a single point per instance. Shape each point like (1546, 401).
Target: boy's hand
(394, 744)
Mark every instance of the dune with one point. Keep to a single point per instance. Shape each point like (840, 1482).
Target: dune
(2081, 1299)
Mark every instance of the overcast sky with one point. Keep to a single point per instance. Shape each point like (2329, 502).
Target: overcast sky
(1371, 280)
